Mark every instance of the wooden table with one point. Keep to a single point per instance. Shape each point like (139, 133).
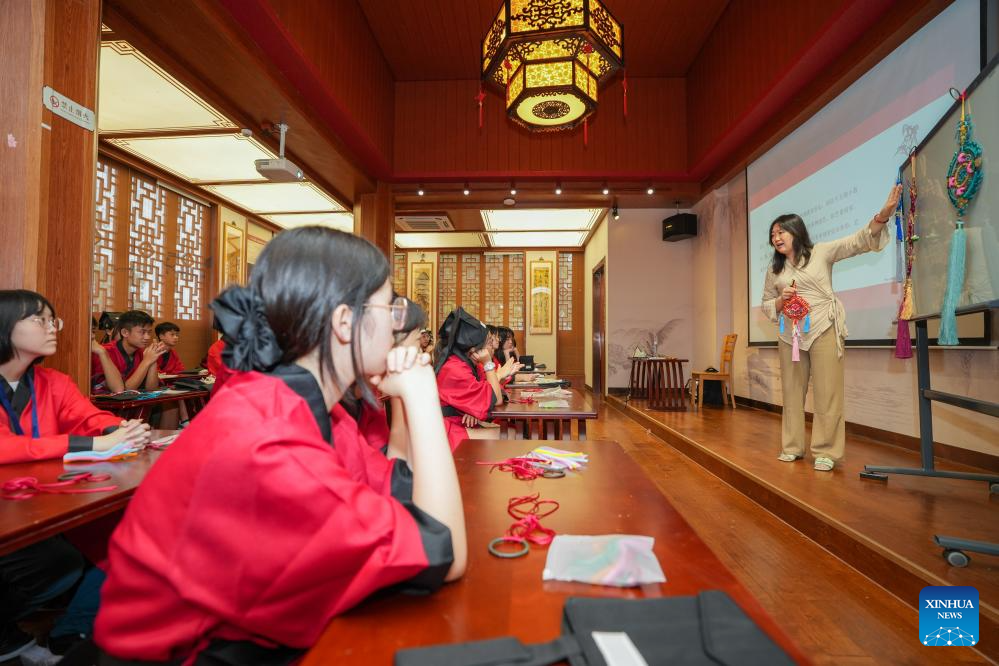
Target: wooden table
(24, 522)
(507, 597)
(140, 409)
(536, 422)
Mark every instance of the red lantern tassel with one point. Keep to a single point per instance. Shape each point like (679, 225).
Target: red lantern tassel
(624, 90)
(586, 131)
(480, 98)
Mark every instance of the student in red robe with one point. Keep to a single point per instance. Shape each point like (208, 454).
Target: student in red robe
(216, 366)
(373, 422)
(43, 416)
(258, 525)
(133, 354)
(108, 379)
(169, 334)
(467, 380)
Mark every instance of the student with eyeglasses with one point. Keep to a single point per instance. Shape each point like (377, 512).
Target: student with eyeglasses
(43, 416)
(262, 522)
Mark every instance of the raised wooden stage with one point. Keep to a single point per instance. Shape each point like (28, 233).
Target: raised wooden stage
(883, 529)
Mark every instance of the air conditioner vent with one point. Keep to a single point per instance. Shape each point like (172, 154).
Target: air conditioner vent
(423, 223)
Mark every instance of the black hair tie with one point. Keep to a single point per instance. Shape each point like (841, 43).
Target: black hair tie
(249, 340)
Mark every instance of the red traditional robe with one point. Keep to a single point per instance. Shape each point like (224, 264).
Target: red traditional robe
(461, 392)
(66, 420)
(170, 364)
(215, 365)
(119, 357)
(256, 527)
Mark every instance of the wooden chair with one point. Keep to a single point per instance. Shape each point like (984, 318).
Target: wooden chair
(638, 387)
(724, 376)
(666, 385)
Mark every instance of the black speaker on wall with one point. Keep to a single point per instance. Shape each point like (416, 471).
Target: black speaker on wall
(679, 227)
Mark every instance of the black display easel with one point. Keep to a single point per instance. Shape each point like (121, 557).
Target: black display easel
(954, 547)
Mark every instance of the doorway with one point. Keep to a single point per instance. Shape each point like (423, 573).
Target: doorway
(599, 330)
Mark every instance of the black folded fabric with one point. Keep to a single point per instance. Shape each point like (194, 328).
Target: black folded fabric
(706, 630)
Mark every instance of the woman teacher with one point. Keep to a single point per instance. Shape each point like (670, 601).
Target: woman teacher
(801, 270)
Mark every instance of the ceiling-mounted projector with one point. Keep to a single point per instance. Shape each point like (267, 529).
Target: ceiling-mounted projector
(280, 170)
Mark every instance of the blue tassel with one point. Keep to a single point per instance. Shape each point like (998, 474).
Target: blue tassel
(955, 285)
(808, 322)
(781, 320)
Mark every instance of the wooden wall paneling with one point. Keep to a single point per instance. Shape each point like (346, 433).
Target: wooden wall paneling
(334, 38)
(374, 219)
(437, 135)
(881, 39)
(66, 185)
(22, 47)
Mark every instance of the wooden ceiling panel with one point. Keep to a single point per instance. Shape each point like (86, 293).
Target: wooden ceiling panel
(439, 39)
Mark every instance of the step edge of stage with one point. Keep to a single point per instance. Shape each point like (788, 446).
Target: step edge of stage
(919, 577)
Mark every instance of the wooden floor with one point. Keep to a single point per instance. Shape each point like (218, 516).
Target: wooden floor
(836, 614)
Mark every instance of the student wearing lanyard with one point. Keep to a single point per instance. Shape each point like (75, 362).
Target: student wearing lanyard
(43, 416)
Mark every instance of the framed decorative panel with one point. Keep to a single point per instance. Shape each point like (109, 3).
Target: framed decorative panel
(105, 237)
(515, 292)
(493, 288)
(146, 235)
(188, 259)
(564, 291)
(421, 285)
(233, 255)
(541, 297)
(447, 285)
(399, 275)
(471, 284)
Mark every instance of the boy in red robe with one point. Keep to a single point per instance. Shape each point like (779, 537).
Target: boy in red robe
(135, 362)
(169, 334)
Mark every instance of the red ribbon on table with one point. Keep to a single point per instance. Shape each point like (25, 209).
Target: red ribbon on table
(26, 487)
(528, 525)
(525, 469)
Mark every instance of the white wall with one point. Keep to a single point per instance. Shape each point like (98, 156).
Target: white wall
(652, 295)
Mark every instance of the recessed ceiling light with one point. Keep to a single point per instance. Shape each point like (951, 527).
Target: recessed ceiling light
(420, 191)
(558, 188)
(606, 189)
(650, 190)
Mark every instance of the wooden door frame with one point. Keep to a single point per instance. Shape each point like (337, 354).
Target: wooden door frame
(599, 325)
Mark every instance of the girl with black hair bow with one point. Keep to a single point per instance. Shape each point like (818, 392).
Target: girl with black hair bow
(258, 525)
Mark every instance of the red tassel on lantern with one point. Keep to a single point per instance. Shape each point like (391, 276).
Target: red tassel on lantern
(586, 128)
(480, 98)
(624, 92)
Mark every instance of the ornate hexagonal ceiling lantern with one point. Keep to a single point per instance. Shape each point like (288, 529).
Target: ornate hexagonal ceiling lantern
(550, 57)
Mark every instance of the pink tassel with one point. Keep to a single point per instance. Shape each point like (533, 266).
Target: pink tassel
(795, 356)
(903, 340)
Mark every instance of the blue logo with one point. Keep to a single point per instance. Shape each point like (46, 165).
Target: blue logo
(948, 615)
